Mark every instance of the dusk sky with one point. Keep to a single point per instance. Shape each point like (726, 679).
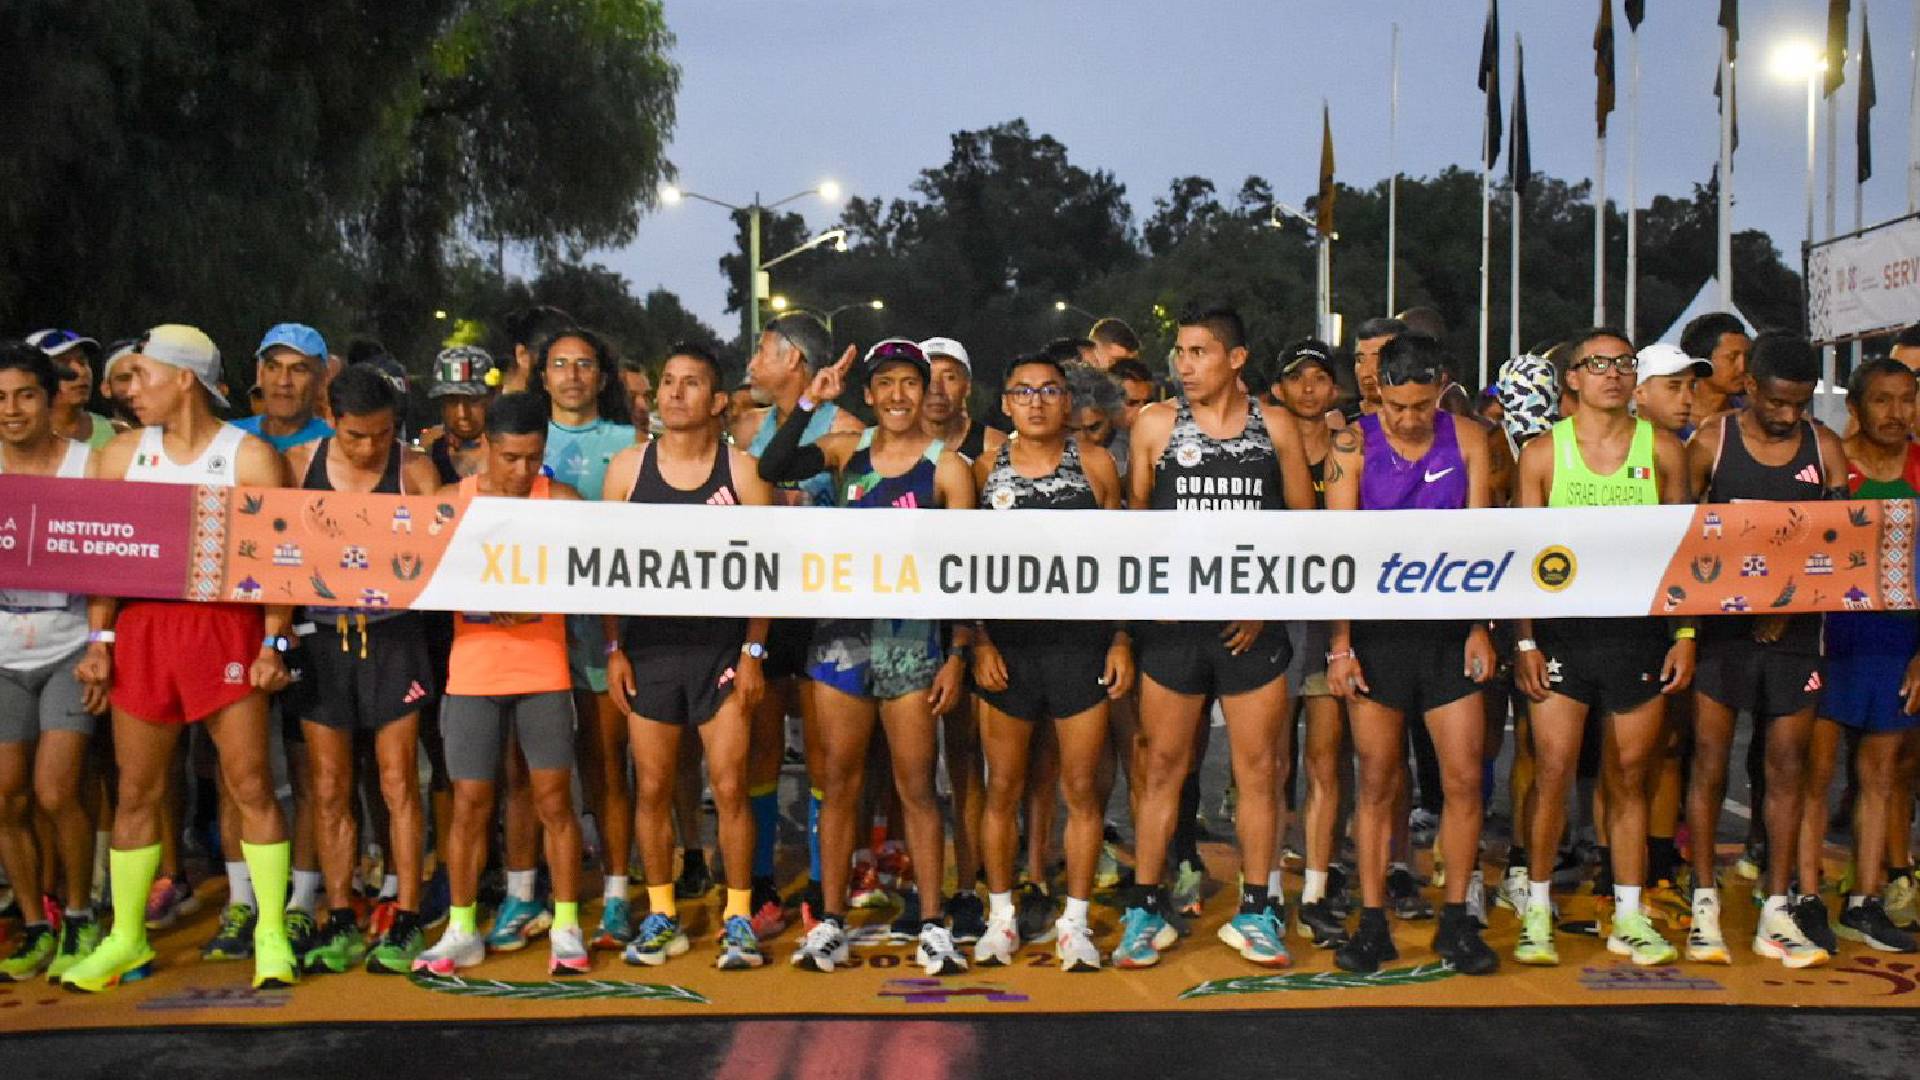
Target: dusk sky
(779, 96)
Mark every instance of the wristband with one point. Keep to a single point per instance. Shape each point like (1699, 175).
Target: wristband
(1685, 633)
(612, 647)
(1344, 654)
(1526, 644)
(100, 637)
(805, 404)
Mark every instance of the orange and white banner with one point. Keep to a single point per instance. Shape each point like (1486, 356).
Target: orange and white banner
(430, 552)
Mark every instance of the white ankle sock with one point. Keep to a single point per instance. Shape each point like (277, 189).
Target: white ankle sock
(1540, 892)
(1701, 895)
(1774, 904)
(1275, 887)
(616, 887)
(520, 885)
(1626, 899)
(1315, 890)
(306, 891)
(1076, 911)
(1000, 905)
(390, 887)
(240, 884)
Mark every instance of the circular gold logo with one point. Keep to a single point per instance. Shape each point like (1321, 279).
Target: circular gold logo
(1554, 568)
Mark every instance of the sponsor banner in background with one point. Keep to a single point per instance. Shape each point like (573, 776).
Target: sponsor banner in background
(378, 551)
(1866, 282)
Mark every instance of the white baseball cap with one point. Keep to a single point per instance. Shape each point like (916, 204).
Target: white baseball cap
(185, 347)
(936, 347)
(1661, 359)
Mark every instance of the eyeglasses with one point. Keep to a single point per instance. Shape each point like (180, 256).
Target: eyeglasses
(1029, 395)
(1424, 376)
(584, 364)
(1600, 365)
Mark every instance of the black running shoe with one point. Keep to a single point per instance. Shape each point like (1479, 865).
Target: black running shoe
(695, 880)
(1339, 893)
(1370, 946)
(1317, 921)
(1403, 895)
(1033, 912)
(1457, 941)
(1868, 923)
(905, 930)
(1810, 915)
(967, 916)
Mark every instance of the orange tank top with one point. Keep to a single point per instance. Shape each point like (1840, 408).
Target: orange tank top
(497, 659)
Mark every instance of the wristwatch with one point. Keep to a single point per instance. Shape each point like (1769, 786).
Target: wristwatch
(276, 642)
(1526, 644)
(754, 649)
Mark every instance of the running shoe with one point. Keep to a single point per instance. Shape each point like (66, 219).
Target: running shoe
(381, 918)
(1779, 937)
(168, 901)
(78, 938)
(567, 952)
(1457, 941)
(1143, 934)
(769, 914)
(436, 899)
(1073, 946)
(1106, 873)
(1536, 937)
(1867, 922)
(616, 924)
(998, 945)
(967, 916)
(905, 928)
(863, 886)
(1317, 922)
(1632, 935)
(302, 930)
(1752, 862)
(1477, 898)
(1705, 944)
(1258, 937)
(658, 940)
(453, 951)
(1902, 901)
(739, 946)
(1422, 826)
(115, 961)
(233, 940)
(1664, 904)
(1339, 896)
(517, 923)
(1403, 895)
(1370, 946)
(337, 948)
(1184, 897)
(695, 880)
(812, 905)
(1815, 922)
(1512, 893)
(823, 949)
(894, 866)
(937, 954)
(36, 951)
(1034, 912)
(275, 964)
(394, 952)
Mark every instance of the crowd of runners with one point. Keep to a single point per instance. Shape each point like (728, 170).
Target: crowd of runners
(412, 791)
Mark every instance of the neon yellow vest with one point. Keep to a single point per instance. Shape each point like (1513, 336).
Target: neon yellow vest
(1576, 485)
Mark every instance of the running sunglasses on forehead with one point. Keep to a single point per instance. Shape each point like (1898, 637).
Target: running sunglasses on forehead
(896, 350)
(1427, 376)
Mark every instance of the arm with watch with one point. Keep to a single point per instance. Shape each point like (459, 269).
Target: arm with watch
(94, 672)
(750, 680)
(949, 682)
(269, 670)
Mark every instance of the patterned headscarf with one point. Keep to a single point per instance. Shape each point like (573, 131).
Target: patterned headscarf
(1529, 394)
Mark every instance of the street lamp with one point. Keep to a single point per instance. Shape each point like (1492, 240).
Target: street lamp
(1063, 307)
(829, 190)
(1323, 288)
(1793, 61)
(875, 304)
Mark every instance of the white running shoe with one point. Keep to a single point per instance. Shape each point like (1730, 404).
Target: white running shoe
(568, 954)
(1778, 937)
(1477, 898)
(454, 950)
(825, 947)
(1073, 946)
(1705, 943)
(1512, 893)
(998, 945)
(936, 954)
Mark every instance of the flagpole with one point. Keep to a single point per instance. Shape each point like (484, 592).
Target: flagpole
(1393, 170)
(1514, 165)
(1513, 316)
(1633, 183)
(1724, 259)
(1600, 230)
(1913, 117)
(1486, 244)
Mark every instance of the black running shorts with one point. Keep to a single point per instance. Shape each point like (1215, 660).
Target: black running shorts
(1611, 666)
(1190, 658)
(1050, 679)
(1414, 667)
(684, 685)
(1764, 680)
(368, 678)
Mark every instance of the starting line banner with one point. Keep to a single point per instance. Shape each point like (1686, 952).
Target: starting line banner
(287, 546)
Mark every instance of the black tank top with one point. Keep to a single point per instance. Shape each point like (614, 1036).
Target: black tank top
(1737, 477)
(974, 444)
(680, 630)
(442, 454)
(1318, 470)
(1199, 472)
(317, 479)
(1065, 488)
(351, 557)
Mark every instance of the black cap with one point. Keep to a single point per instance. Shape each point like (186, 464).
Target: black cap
(896, 351)
(1303, 352)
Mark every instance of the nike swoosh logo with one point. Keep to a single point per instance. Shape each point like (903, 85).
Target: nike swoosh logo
(1432, 476)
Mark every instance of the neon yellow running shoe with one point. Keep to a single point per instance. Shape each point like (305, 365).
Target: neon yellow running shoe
(1536, 937)
(273, 963)
(1633, 936)
(116, 961)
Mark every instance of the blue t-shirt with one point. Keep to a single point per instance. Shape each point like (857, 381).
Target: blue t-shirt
(580, 455)
(315, 430)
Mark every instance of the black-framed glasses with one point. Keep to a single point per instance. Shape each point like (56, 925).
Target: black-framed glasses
(1028, 395)
(1600, 365)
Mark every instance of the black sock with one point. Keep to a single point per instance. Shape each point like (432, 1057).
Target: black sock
(1662, 855)
(938, 924)
(1453, 913)
(839, 921)
(694, 857)
(1516, 858)
(341, 915)
(1253, 899)
(1898, 872)
(1373, 918)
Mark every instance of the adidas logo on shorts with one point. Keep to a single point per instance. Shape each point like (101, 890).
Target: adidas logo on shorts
(1813, 683)
(414, 693)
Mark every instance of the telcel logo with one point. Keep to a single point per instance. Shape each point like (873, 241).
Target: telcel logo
(1441, 574)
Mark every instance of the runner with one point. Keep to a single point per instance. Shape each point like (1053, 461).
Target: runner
(374, 674)
(159, 688)
(788, 353)
(508, 677)
(1114, 342)
(671, 674)
(894, 669)
(1721, 339)
(1619, 670)
(54, 671)
(74, 357)
(636, 383)
(1768, 666)
(292, 364)
(1307, 388)
(1027, 672)
(1212, 449)
(526, 329)
(1368, 340)
(1668, 388)
(1405, 457)
(463, 380)
(1872, 676)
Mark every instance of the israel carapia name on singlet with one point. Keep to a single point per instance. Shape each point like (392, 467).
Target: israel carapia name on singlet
(1199, 472)
(1438, 481)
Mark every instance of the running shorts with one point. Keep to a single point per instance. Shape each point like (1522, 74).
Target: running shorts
(683, 685)
(1764, 680)
(1414, 667)
(177, 662)
(476, 731)
(34, 701)
(1050, 678)
(1609, 665)
(880, 659)
(789, 643)
(1863, 693)
(368, 678)
(1189, 658)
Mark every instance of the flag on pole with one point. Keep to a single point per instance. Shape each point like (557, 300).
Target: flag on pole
(1836, 55)
(1490, 79)
(1730, 95)
(1868, 97)
(1520, 159)
(1603, 67)
(1636, 11)
(1323, 210)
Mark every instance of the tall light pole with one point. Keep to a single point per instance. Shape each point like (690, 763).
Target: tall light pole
(1323, 257)
(1796, 60)
(1063, 307)
(756, 271)
(875, 304)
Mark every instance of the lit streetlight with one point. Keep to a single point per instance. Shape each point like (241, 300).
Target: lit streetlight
(672, 195)
(1063, 307)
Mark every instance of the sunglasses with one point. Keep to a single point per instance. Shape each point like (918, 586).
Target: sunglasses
(1423, 376)
(1600, 365)
(896, 350)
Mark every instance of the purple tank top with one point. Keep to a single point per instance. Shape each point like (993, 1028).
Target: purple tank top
(1438, 481)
